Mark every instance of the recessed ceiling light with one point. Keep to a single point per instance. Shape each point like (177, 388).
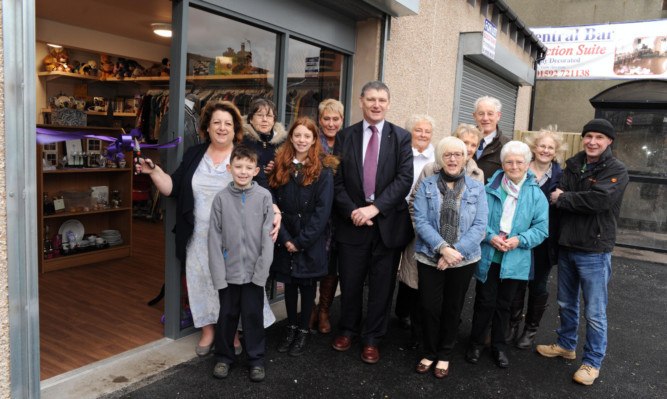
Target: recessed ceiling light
(162, 29)
(54, 45)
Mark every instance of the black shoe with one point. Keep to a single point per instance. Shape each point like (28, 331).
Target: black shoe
(528, 337)
(298, 347)
(500, 357)
(290, 334)
(473, 354)
(257, 373)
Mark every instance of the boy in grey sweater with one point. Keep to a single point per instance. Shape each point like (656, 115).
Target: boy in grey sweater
(240, 252)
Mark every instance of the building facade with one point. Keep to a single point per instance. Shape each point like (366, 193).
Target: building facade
(566, 103)
(429, 52)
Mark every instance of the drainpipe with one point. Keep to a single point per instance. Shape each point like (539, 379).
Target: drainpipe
(384, 37)
(532, 93)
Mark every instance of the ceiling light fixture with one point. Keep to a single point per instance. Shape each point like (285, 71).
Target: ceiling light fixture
(162, 29)
(54, 45)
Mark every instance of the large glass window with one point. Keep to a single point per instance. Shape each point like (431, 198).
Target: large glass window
(641, 144)
(229, 60)
(313, 74)
(235, 61)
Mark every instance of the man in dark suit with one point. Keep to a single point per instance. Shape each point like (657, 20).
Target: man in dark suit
(372, 223)
(487, 114)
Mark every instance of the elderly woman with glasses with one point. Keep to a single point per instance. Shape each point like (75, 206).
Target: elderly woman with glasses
(450, 213)
(518, 221)
(548, 151)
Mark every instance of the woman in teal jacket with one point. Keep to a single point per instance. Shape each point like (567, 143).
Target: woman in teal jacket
(518, 221)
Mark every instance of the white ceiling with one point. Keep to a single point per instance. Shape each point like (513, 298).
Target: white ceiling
(129, 18)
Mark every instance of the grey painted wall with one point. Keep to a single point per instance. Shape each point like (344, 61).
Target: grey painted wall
(565, 103)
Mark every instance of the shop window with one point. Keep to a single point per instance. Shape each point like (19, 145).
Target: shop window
(640, 140)
(229, 60)
(313, 75)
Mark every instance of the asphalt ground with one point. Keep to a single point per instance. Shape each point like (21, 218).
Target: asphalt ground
(635, 365)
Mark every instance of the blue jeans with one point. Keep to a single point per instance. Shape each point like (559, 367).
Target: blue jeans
(591, 272)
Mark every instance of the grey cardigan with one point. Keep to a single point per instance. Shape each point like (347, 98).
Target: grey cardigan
(240, 249)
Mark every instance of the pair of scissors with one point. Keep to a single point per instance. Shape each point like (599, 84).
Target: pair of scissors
(137, 154)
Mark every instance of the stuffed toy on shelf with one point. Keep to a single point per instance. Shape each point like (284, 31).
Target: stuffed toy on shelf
(106, 67)
(135, 68)
(120, 70)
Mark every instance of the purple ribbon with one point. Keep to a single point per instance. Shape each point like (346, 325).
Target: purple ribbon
(48, 136)
(121, 144)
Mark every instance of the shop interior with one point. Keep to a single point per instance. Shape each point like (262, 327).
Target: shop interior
(101, 236)
(93, 295)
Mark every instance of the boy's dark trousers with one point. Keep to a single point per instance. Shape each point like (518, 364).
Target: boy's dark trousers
(246, 301)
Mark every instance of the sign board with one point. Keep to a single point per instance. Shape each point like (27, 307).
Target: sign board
(312, 67)
(634, 50)
(489, 39)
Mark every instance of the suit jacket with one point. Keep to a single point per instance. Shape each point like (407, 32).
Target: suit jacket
(392, 184)
(489, 161)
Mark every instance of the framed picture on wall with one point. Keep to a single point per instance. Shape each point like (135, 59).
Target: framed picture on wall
(94, 146)
(50, 154)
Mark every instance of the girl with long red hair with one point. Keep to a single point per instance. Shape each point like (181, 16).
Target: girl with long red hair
(302, 184)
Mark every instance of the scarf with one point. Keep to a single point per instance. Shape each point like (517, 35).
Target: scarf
(509, 206)
(449, 207)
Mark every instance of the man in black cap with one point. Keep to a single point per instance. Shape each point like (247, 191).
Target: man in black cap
(589, 197)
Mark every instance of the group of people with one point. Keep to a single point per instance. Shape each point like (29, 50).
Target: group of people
(371, 202)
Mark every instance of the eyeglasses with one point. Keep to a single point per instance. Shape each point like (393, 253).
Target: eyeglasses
(457, 155)
(514, 163)
(264, 116)
(546, 147)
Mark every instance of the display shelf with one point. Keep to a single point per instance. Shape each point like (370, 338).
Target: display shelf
(94, 256)
(65, 75)
(86, 170)
(72, 214)
(80, 179)
(320, 74)
(139, 79)
(227, 77)
(101, 113)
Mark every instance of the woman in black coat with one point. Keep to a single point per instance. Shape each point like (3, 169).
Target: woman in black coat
(302, 185)
(548, 150)
(263, 134)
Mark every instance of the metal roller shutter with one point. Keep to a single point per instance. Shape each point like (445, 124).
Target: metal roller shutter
(478, 82)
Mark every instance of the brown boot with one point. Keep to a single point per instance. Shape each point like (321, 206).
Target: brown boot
(327, 291)
(313, 314)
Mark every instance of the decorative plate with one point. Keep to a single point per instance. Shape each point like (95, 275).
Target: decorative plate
(75, 227)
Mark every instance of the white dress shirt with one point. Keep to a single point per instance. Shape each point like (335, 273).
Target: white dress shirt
(419, 160)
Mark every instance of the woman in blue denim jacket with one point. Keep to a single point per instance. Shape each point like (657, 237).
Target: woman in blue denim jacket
(518, 221)
(450, 214)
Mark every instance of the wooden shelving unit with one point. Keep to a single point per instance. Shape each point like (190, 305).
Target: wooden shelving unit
(94, 221)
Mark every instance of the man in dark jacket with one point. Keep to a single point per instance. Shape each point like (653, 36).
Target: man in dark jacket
(487, 114)
(372, 222)
(589, 198)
